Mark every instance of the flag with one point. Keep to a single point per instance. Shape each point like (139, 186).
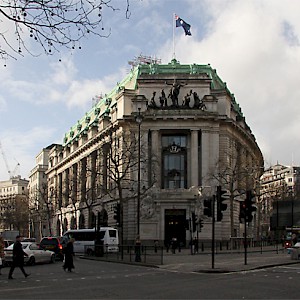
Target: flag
(180, 23)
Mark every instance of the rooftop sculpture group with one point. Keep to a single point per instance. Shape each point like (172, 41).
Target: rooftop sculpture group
(174, 97)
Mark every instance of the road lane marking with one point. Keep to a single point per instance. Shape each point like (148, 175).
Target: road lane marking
(22, 289)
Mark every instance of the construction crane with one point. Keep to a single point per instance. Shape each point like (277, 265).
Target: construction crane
(10, 173)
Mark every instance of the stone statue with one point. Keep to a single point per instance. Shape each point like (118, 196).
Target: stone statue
(199, 104)
(187, 99)
(152, 103)
(174, 92)
(163, 99)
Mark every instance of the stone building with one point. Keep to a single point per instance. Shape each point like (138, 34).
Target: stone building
(156, 145)
(39, 204)
(279, 199)
(14, 205)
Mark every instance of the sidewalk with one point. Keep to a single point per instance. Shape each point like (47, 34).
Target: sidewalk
(225, 262)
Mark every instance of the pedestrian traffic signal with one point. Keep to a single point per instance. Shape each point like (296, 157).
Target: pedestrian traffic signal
(117, 214)
(220, 205)
(250, 205)
(200, 224)
(207, 207)
(242, 212)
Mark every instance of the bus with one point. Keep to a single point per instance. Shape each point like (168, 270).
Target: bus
(85, 239)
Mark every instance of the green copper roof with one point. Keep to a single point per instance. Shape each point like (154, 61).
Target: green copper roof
(102, 108)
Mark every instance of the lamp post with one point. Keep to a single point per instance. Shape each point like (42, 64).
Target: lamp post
(139, 119)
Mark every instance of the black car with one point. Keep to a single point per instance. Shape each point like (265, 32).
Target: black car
(53, 244)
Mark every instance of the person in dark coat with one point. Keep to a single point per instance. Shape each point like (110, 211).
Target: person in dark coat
(137, 249)
(18, 258)
(69, 253)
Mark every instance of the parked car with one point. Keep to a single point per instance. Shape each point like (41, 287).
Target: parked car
(294, 251)
(7, 243)
(29, 240)
(54, 244)
(34, 252)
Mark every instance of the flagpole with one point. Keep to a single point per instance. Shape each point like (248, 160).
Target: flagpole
(173, 35)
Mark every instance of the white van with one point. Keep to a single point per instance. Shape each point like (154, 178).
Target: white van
(85, 239)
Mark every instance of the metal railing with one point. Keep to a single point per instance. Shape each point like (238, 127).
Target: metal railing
(156, 255)
(128, 253)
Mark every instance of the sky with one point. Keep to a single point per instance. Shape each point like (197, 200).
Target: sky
(254, 45)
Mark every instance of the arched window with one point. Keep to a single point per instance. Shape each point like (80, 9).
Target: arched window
(65, 226)
(73, 223)
(81, 221)
(93, 220)
(58, 233)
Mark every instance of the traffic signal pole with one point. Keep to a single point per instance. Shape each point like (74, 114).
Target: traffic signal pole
(248, 210)
(245, 241)
(213, 233)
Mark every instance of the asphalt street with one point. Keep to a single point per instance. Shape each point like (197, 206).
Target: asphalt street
(274, 278)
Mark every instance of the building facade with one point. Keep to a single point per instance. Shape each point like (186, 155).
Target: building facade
(39, 205)
(157, 145)
(14, 205)
(279, 199)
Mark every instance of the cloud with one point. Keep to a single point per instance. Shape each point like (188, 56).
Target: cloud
(61, 85)
(256, 51)
(18, 147)
(3, 104)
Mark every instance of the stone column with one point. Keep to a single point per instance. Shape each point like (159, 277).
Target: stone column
(209, 155)
(194, 159)
(157, 155)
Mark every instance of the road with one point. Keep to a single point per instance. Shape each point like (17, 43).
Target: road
(103, 280)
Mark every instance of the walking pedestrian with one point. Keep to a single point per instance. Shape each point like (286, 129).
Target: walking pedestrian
(156, 245)
(1, 252)
(18, 258)
(174, 244)
(137, 249)
(69, 253)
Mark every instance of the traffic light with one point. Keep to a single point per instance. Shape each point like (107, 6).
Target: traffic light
(220, 205)
(242, 211)
(117, 214)
(200, 225)
(194, 222)
(249, 205)
(207, 207)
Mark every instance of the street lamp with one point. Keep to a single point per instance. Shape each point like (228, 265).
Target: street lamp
(139, 119)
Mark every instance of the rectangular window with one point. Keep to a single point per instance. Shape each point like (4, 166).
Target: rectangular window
(174, 161)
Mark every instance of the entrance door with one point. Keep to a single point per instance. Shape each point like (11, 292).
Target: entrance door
(175, 225)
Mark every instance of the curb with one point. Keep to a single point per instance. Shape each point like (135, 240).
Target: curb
(208, 271)
(245, 270)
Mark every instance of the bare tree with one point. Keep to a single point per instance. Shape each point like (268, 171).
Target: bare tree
(16, 214)
(51, 24)
(41, 210)
(237, 173)
(117, 167)
(80, 190)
